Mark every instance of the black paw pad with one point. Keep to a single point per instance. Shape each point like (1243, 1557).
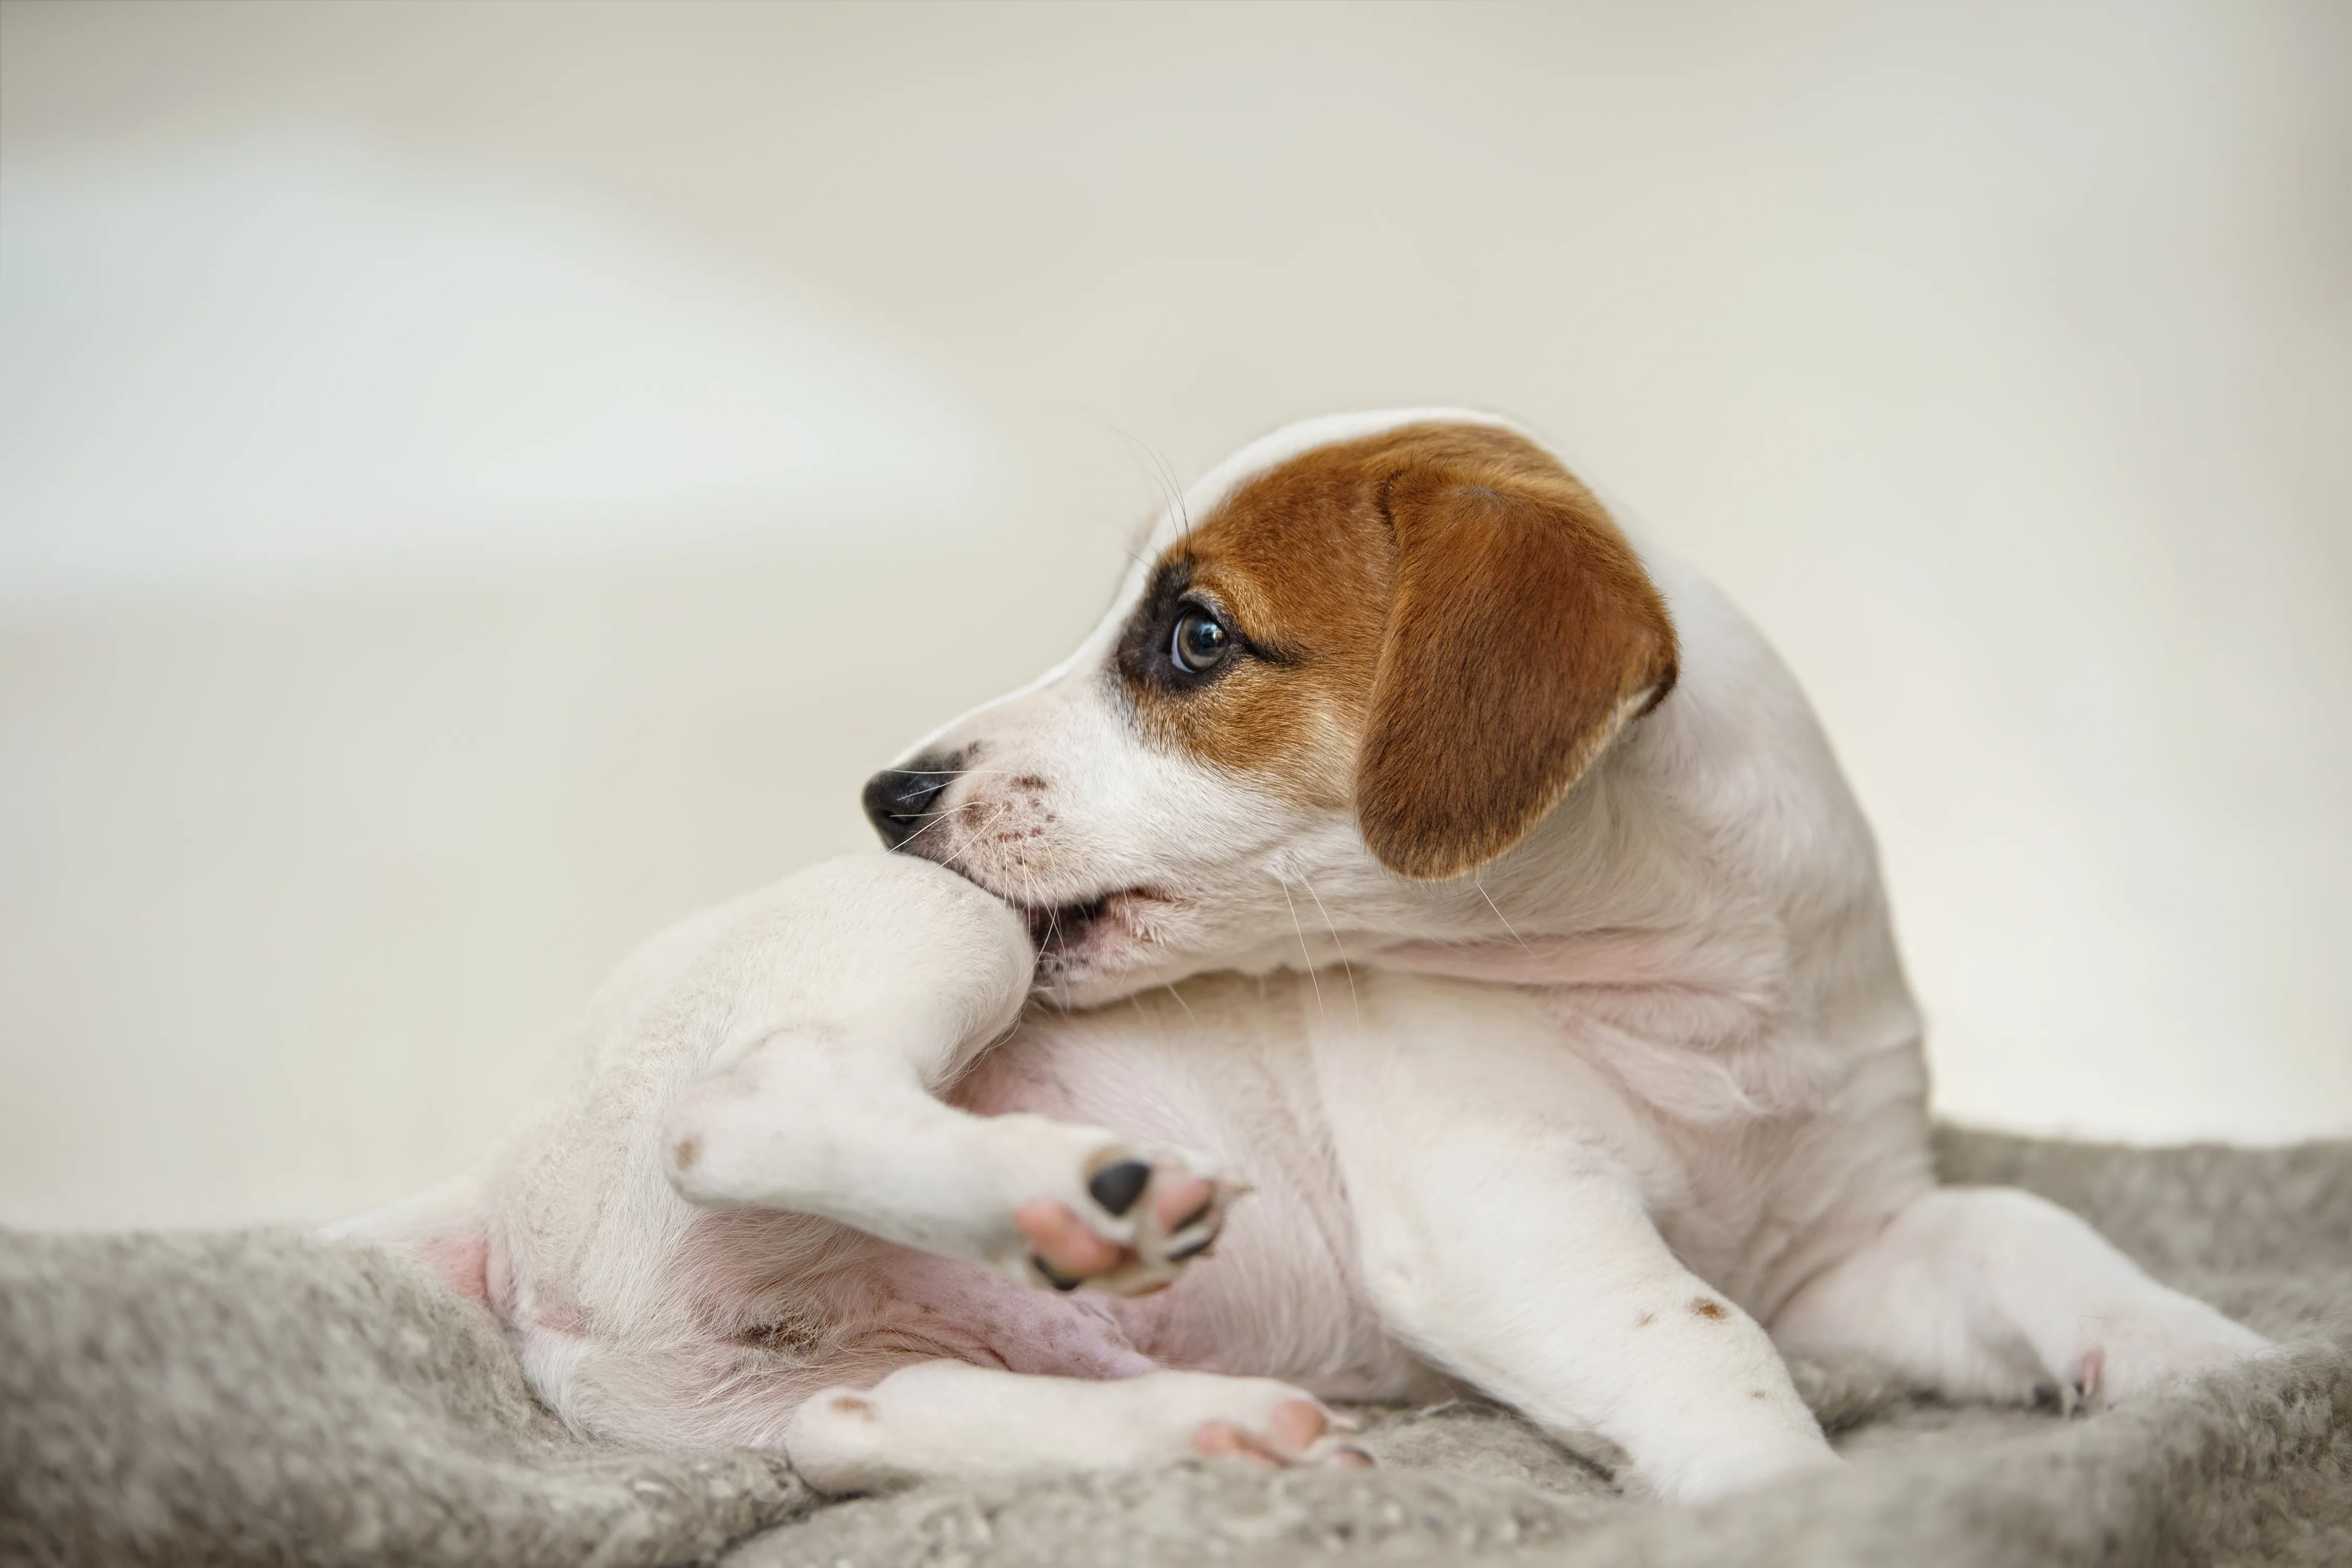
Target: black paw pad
(1117, 1187)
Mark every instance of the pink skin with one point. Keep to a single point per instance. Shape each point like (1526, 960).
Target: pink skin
(952, 1309)
(1076, 1251)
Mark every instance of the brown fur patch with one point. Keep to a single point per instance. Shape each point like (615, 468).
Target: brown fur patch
(1703, 1308)
(1450, 628)
(1300, 561)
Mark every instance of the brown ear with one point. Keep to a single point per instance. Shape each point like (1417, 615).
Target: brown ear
(1522, 636)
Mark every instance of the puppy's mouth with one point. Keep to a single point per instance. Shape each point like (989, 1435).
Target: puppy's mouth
(1064, 926)
(1091, 931)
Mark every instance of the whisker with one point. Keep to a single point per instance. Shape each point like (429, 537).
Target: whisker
(1302, 948)
(1349, 969)
(973, 838)
(1053, 916)
(1162, 477)
(1030, 899)
(1183, 512)
(1020, 873)
(937, 817)
(1480, 883)
(1053, 927)
(1176, 489)
(1180, 1001)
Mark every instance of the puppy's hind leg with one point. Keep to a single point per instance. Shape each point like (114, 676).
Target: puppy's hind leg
(1991, 1293)
(866, 984)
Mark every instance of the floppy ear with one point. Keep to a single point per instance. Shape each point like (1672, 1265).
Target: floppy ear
(1523, 635)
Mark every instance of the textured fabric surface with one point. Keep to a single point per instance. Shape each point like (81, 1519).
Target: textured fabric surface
(262, 1398)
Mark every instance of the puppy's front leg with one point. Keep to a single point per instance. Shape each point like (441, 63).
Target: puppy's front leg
(849, 995)
(1503, 1238)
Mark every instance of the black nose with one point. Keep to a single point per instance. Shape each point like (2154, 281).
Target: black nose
(899, 800)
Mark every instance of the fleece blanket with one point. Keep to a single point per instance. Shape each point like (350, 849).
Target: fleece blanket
(263, 1397)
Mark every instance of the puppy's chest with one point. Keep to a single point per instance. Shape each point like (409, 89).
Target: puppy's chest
(1220, 1065)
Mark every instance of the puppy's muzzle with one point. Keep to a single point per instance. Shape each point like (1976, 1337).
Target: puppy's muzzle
(900, 801)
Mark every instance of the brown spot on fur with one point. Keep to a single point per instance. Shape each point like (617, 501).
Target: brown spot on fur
(1716, 1310)
(688, 1152)
(1755, 1394)
(1445, 629)
(850, 1405)
(1645, 1320)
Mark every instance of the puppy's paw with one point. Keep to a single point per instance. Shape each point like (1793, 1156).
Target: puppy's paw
(1145, 1216)
(2127, 1350)
(1295, 1432)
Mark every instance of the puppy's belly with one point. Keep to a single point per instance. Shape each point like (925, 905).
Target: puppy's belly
(1222, 1070)
(1223, 1065)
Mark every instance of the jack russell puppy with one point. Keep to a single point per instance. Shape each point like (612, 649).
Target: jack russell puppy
(1407, 849)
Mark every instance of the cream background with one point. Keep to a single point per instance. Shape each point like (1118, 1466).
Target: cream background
(477, 482)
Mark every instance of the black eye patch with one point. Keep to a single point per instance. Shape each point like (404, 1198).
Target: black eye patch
(1180, 640)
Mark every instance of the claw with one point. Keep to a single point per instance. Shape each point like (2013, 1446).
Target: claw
(1058, 1281)
(2086, 1380)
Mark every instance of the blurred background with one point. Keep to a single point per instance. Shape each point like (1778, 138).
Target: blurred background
(479, 481)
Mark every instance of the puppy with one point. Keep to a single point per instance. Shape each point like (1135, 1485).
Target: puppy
(1408, 850)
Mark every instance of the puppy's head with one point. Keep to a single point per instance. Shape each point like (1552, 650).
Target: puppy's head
(1357, 662)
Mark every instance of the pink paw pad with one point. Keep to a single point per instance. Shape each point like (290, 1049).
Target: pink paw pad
(1297, 1432)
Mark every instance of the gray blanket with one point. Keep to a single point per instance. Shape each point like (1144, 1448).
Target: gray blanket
(264, 1398)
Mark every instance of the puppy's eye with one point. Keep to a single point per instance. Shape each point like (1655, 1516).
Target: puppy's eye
(1199, 642)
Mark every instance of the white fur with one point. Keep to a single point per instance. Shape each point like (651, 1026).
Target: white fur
(949, 1417)
(1586, 1132)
